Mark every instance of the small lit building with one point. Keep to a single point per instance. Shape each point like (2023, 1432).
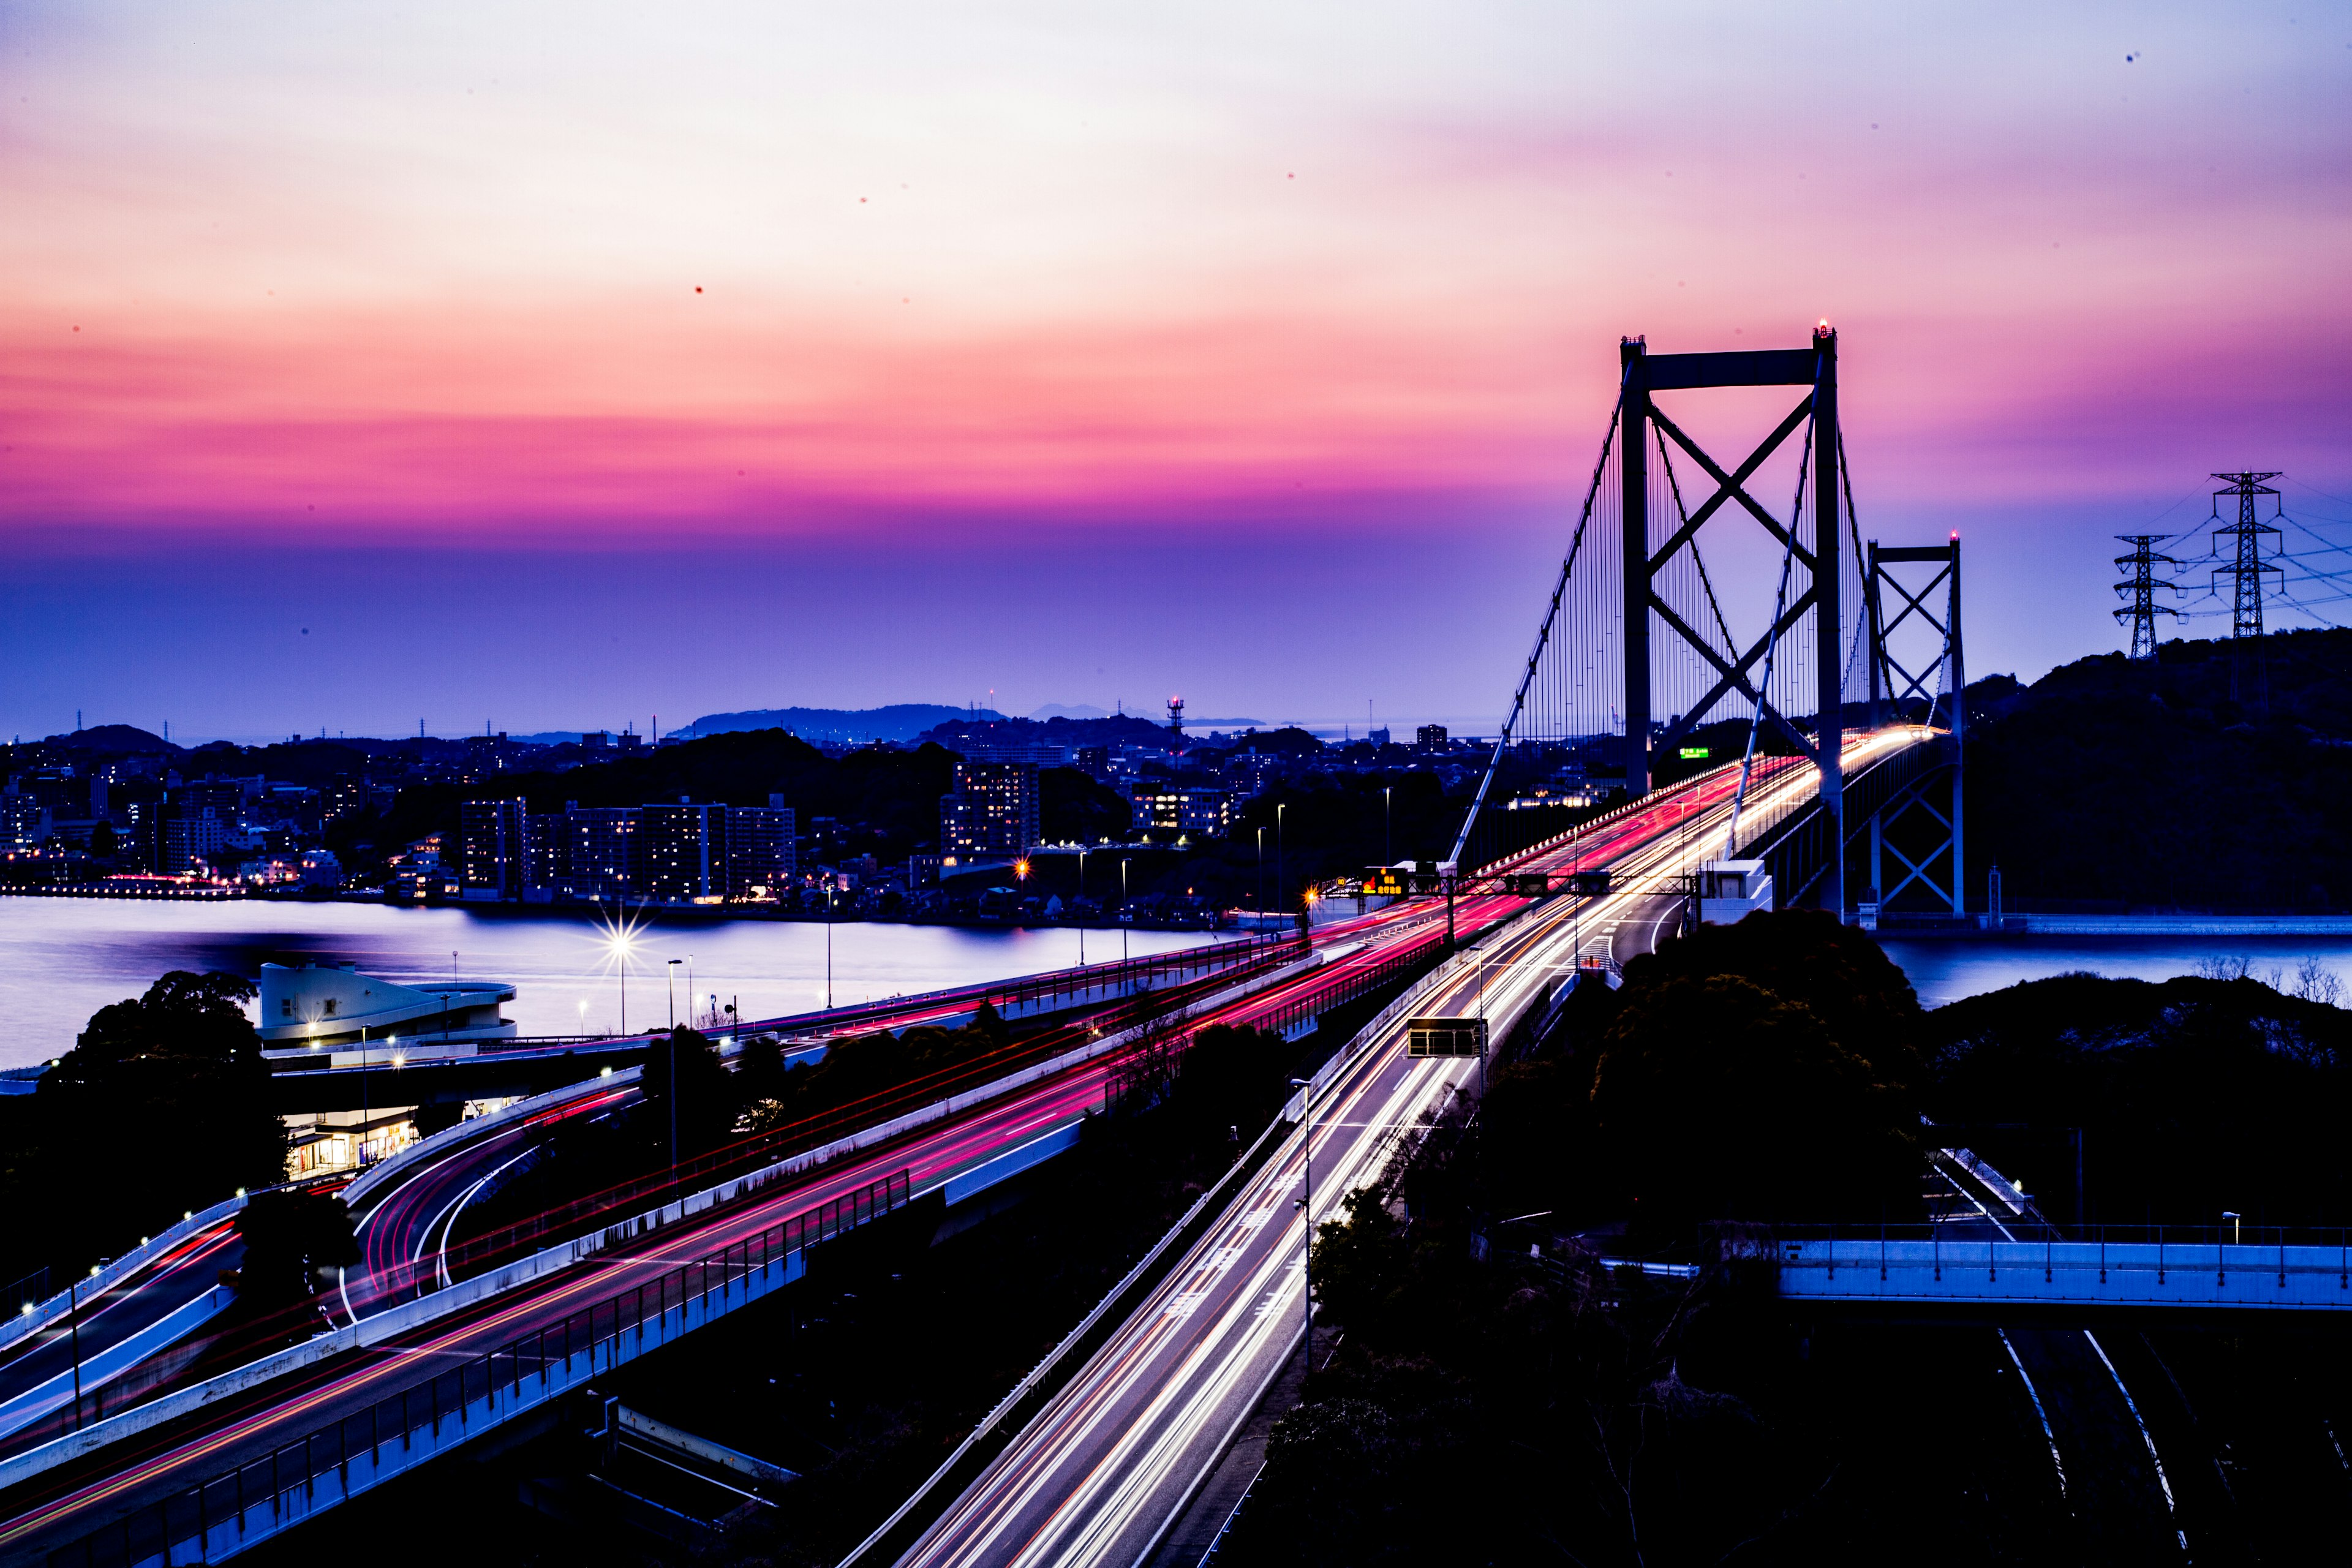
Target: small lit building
(1731, 891)
(333, 1010)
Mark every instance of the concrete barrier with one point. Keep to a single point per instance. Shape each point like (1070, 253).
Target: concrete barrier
(58, 1392)
(46, 1313)
(465, 1133)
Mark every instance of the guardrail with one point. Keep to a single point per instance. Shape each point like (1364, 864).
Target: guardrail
(940, 1087)
(239, 1507)
(100, 1429)
(1183, 964)
(465, 1131)
(2278, 1276)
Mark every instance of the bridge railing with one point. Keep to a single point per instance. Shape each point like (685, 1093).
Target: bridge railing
(242, 1506)
(478, 1253)
(1795, 843)
(2134, 1265)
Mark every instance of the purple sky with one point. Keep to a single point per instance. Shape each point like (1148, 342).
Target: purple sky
(563, 365)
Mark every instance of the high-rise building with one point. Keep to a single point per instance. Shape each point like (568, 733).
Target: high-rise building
(761, 857)
(344, 797)
(683, 849)
(24, 820)
(993, 810)
(190, 835)
(493, 848)
(600, 853)
(1430, 737)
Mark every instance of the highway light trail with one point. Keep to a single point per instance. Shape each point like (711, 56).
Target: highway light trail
(1106, 1466)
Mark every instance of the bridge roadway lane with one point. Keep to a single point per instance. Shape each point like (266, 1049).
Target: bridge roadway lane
(1113, 1454)
(404, 1234)
(61, 1505)
(1112, 1460)
(43, 1361)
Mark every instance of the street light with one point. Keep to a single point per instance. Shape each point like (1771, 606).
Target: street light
(1125, 914)
(1281, 877)
(1388, 825)
(1306, 1088)
(1081, 914)
(1261, 879)
(2237, 1225)
(672, 972)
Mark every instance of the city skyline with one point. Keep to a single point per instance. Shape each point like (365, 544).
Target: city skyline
(499, 364)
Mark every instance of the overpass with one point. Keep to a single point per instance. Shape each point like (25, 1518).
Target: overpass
(2192, 1270)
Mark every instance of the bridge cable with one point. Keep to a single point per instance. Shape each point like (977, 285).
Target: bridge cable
(1771, 650)
(1543, 634)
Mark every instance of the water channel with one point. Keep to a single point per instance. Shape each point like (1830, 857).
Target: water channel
(69, 957)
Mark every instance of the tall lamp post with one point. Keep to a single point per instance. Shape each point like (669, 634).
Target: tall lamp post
(1306, 1088)
(1388, 825)
(1261, 879)
(1125, 914)
(1281, 874)
(672, 1067)
(1082, 919)
(829, 890)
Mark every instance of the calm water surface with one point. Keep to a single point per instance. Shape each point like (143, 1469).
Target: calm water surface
(1944, 972)
(66, 958)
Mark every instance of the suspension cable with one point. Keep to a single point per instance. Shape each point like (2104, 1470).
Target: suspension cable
(1543, 634)
(1772, 648)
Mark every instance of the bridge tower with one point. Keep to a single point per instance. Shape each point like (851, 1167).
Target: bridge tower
(1646, 609)
(1920, 823)
(2140, 588)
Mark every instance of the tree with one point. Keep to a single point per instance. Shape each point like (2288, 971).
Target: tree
(704, 1095)
(162, 1107)
(1716, 1099)
(293, 1244)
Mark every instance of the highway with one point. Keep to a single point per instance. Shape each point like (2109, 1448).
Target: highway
(1375, 1094)
(1110, 1463)
(58, 1505)
(404, 1232)
(37, 1373)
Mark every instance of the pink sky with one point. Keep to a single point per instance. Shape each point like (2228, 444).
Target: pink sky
(281, 272)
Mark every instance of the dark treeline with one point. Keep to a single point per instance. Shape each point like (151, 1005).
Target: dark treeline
(1776, 1069)
(2193, 1096)
(2123, 784)
(162, 1108)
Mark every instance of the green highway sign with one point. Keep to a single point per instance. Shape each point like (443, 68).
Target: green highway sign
(1691, 753)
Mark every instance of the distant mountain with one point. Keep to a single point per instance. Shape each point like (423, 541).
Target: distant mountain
(126, 740)
(899, 722)
(1067, 710)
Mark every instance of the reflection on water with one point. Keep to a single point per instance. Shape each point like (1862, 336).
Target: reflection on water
(69, 957)
(1944, 972)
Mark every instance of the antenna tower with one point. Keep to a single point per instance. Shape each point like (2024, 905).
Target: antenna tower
(2246, 565)
(1176, 716)
(2141, 589)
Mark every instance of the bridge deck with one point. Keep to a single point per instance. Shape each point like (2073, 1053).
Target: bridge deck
(2135, 1274)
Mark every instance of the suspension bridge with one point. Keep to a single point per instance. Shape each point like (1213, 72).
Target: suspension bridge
(1710, 606)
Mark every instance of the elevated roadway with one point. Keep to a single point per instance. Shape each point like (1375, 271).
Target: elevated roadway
(65, 1502)
(1101, 1472)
